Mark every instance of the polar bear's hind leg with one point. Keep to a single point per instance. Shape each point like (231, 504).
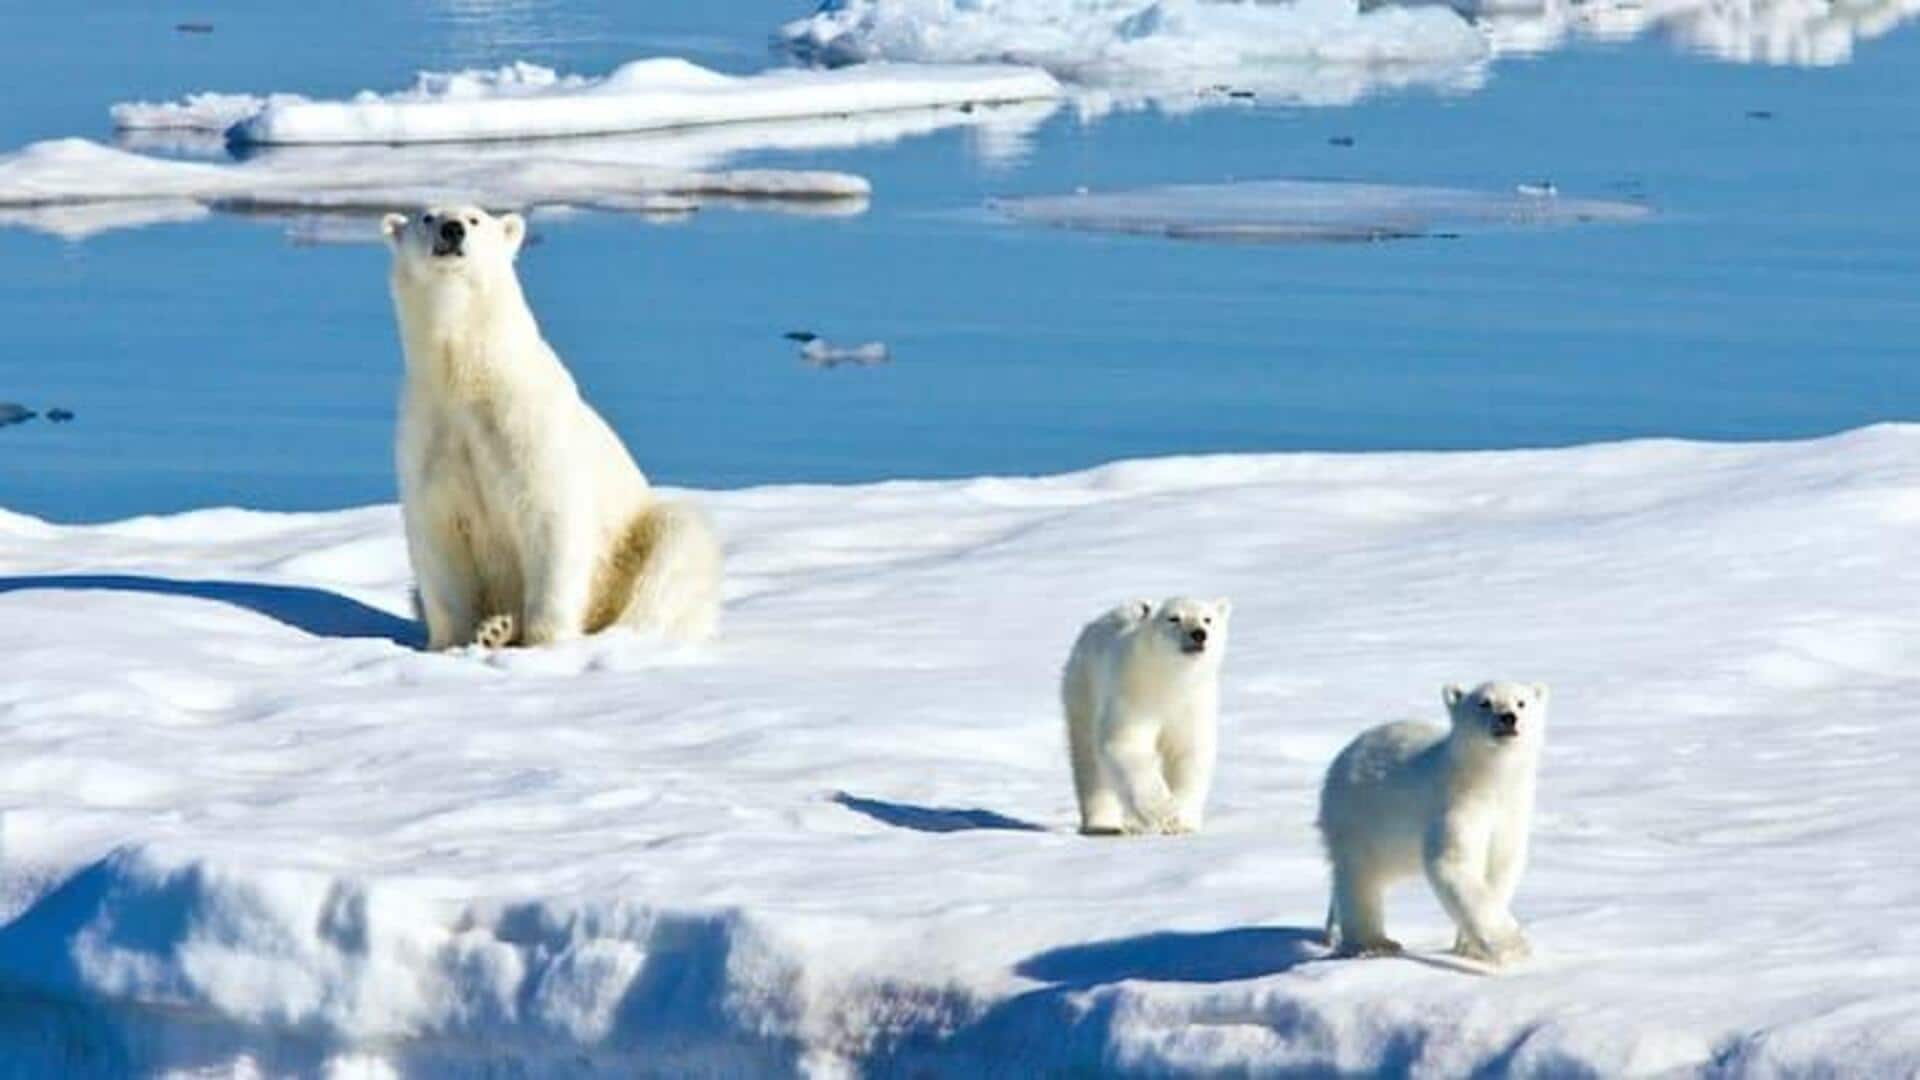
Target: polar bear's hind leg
(663, 574)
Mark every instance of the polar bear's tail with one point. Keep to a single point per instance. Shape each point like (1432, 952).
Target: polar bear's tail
(672, 558)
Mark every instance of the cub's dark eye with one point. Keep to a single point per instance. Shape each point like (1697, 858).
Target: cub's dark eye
(1520, 705)
(427, 220)
(1486, 704)
(473, 221)
(1173, 618)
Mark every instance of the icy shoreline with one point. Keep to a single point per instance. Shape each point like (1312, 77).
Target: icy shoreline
(269, 831)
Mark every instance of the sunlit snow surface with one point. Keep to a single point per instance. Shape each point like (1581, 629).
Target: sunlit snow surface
(246, 825)
(1308, 211)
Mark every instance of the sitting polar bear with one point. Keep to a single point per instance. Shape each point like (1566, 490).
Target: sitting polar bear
(527, 521)
(1141, 691)
(1408, 797)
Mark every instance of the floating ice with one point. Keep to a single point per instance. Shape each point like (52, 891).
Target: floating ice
(72, 186)
(1315, 51)
(266, 835)
(527, 101)
(1309, 211)
(819, 352)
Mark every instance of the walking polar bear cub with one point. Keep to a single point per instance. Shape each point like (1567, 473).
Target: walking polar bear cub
(1457, 804)
(1141, 692)
(527, 521)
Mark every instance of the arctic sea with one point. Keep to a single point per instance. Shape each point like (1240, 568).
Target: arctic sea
(233, 361)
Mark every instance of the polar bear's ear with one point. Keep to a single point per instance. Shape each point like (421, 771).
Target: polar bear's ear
(1222, 608)
(1138, 609)
(392, 226)
(514, 228)
(1451, 694)
(1540, 692)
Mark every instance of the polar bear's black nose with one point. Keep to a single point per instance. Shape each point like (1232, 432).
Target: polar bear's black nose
(453, 232)
(1198, 634)
(1506, 723)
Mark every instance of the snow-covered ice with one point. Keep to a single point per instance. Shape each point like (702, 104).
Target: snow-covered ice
(526, 101)
(245, 825)
(1313, 51)
(1310, 211)
(76, 187)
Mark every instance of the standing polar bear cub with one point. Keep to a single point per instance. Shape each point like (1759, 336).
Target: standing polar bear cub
(1457, 804)
(527, 521)
(1142, 692)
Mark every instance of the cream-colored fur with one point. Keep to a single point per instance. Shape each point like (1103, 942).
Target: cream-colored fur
(1454, 803)
(1141, 692)
(527, 521)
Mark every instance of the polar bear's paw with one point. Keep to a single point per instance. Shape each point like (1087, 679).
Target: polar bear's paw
(495, 632)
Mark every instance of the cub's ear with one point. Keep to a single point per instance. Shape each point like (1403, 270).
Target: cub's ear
(1222, 608)
(1451, 694)
(1540, 692)
(1137, 609)
(514, 228)
(392, 226)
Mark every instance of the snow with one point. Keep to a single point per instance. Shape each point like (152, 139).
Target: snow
(245, 826)
(1313, 51)
(1301, 211)
(527, 101)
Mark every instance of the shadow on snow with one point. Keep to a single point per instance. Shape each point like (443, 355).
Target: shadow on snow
(313, 611)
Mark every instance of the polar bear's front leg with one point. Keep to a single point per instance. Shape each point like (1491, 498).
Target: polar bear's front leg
(444, 580)
(1457, 867)
(558, 565)
(1130, 761)
(1189, 772)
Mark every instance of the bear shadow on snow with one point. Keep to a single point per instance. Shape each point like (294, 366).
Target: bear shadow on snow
(1171, 956)
(932, 819)
(313, 611)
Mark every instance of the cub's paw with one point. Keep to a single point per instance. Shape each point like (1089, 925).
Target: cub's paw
(495, 632)
(1367, 950)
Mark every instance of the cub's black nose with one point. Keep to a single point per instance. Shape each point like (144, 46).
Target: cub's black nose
(1506, 723)
(1199, 635)
(453, 232)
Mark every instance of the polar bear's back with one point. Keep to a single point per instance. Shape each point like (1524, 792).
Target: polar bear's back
(1378, 795)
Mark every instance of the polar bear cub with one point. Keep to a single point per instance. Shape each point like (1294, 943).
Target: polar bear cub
(527, 521)
(1457, 804)
(1141, 691)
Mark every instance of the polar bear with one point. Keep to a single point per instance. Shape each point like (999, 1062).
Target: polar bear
(1458, 804)
(527, 521)
(1141, 691)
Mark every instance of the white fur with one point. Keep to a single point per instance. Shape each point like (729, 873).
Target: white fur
(526, 519)
(1456, 804)
(1142, 715)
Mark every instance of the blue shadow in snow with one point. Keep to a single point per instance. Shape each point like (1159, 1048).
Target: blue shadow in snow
(932, 819)
(1211, 957)
(314, 611)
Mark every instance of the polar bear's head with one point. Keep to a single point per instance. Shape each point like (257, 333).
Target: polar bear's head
(1185, 627)
(1502, 713)
(453, 240)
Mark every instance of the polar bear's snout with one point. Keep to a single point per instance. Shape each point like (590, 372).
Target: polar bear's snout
(1506, 724)
(451, 236)
(1196, 640)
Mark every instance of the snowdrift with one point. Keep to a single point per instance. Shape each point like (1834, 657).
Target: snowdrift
(244, 823)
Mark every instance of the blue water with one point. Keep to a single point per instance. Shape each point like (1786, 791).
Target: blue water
(1776, 294)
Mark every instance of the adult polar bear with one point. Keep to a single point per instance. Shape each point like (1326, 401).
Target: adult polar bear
(527, 521)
